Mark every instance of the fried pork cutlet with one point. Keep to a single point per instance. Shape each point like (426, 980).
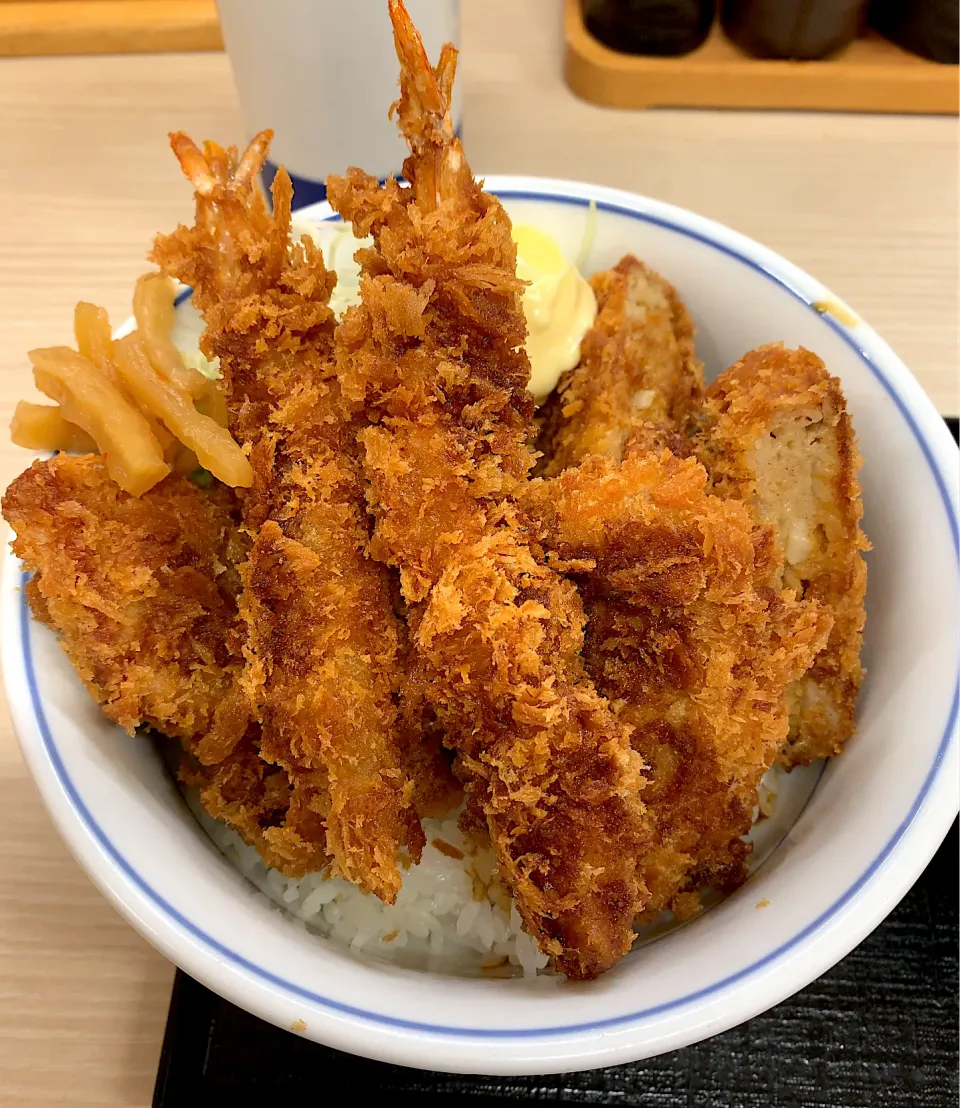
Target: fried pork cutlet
(142, 595)
(133, 587)
(434, 358)
(324, 646)
(637, 367)
(776, 435)
(689, 634)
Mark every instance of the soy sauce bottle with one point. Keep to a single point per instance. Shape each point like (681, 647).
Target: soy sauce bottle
(658, 27)
(802, 30)
(925, 27)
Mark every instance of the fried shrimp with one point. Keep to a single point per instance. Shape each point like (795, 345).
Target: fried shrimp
(323, 642)
(638, 368)
(433, 360)
(688, 631)
(776, 435)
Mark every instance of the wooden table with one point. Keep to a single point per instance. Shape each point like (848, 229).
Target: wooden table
(866, 203)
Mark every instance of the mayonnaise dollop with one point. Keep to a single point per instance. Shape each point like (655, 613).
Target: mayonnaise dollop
(559, 305)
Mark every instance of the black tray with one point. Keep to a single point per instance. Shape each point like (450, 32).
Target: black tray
(879, 1030)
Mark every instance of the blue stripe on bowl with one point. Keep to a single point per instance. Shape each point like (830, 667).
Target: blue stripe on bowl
(298, 991)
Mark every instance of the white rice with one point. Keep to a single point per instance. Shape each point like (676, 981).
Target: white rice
(451, 915)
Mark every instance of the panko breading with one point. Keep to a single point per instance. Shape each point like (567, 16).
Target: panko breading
(434, 358)
(137, 589)
(776, 435)
(637, 366)
(689, 636)
(259, 800)
(141, 592)
(324, 645)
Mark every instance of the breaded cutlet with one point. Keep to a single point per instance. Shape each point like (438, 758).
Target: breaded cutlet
(139, 593)
(637, 366)
(142, 594)
(690, 638)
(776, 435)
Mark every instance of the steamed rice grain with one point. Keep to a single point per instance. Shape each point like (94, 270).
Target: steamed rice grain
(451, 915)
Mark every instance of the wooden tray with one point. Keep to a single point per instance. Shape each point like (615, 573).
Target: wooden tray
(872, 75)
(107, 26)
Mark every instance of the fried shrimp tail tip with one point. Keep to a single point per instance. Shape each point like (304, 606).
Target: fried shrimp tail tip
(195, 162)
(423, 114)
(422, 99)
(254, 156)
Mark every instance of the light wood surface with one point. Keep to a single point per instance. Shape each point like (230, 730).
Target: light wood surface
(866, 203)
(30, 27)
(870, 75)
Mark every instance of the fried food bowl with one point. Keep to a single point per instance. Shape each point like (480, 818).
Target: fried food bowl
(844, 843)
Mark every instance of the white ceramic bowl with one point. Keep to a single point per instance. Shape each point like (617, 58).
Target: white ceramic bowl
(872, 823)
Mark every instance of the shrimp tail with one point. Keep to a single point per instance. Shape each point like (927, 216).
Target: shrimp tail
(422, 111)
(228, 197)
(254, 156)
(437, 169)
(446, 71)
(215, 166)
(193, 163)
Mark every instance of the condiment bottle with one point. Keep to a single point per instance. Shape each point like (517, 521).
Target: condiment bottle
(803, 30)
(925, 27)
(659, 27)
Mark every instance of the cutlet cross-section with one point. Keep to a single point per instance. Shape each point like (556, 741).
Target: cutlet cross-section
(324, 644)
(776, 435)
(638, 373)
(434, 358)
(689, 633)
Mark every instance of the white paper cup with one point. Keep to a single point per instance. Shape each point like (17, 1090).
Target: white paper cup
(322, 74)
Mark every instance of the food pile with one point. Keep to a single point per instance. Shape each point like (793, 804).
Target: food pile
(363, 581)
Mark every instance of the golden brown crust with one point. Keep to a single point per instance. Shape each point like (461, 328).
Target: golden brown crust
(688, 635)
(324, 645)
(134, 588)
(434, 359)
(776, 435)
(637, 366)
(142, 595)
(260, 801)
